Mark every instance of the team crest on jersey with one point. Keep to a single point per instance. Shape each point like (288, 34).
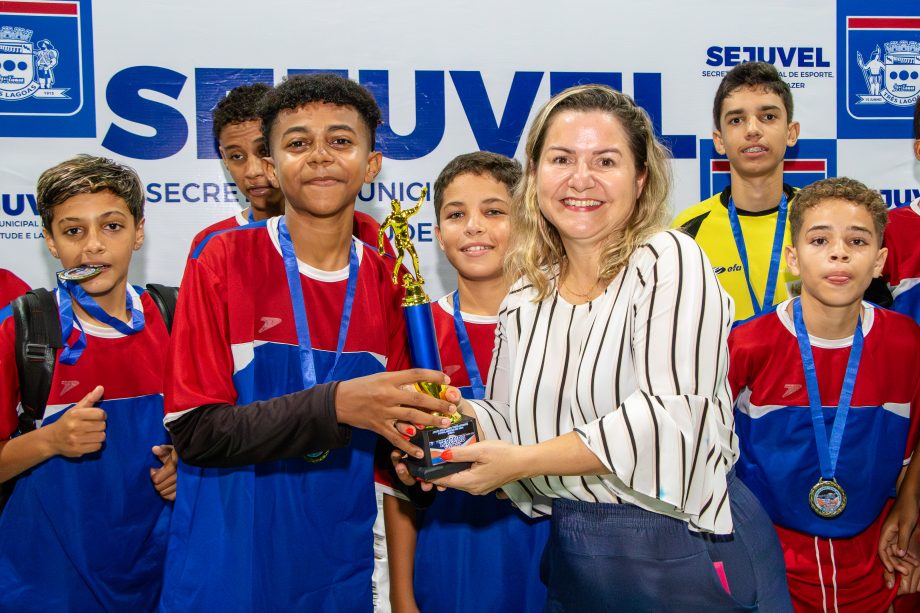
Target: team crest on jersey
(809, 161)
(46, 68)
(879, 69)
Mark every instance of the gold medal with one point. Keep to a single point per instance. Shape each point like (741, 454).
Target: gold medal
(315, 457)
(827, 498)
(81, 273)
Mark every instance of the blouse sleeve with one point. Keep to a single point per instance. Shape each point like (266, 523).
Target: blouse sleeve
(669, 445)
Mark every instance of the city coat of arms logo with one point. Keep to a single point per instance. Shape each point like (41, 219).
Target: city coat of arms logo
(27, 68)
(879, 69)
(46, 69)
(891, 77)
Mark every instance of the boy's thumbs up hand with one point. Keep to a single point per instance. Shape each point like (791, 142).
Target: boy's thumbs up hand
(80, 430)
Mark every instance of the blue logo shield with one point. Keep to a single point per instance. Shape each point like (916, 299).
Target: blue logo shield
(46, 84)
(879, 67)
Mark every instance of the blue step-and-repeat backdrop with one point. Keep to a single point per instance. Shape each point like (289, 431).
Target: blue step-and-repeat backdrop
(136, 81)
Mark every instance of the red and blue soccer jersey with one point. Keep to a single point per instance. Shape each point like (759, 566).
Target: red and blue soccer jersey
(779, 460)
(902, 268)
(89, 533)
(832, 559)
(11, 287)
(288, 535)
(481, 543)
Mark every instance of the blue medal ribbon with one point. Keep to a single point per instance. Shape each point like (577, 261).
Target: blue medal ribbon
(466, 349)
(301, 323)
(828, 451)
(68, 291)
(307, 363)
(775, 254)
(250, 217)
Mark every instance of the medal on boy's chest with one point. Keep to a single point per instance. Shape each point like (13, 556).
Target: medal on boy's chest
(827, 497)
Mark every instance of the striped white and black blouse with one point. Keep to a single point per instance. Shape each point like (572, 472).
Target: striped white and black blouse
(640, 373)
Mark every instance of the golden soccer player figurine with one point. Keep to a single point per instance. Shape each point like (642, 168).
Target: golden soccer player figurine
(423, 350)
(399, 221)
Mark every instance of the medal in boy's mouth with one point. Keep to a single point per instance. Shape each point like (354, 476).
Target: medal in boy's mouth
(81, 272)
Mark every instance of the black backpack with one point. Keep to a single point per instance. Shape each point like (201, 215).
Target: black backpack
(38, 335)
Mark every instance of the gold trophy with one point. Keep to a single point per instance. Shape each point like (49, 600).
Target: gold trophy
(423, 350)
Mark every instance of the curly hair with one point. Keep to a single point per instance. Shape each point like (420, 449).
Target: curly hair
(838, 188)
(297, 91)
(88, 174)
(751, 74)
(536, 248)
(239, 105)
(502, 169)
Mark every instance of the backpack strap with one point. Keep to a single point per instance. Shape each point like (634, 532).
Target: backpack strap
(165, 297)
(38, 335)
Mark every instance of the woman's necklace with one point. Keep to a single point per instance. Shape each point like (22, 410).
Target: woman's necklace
(587, 295)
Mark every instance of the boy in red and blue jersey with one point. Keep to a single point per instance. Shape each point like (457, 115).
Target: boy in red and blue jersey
(476, 541)
(827, 392)
(85, 528)
(280, 327)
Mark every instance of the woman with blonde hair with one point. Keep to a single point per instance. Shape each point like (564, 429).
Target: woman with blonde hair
(607, 402)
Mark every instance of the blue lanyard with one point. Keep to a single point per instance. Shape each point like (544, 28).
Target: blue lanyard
(466, 349)
(307, 363)
(828, 452)
(775, 255)
(250, 217)
(71, 290)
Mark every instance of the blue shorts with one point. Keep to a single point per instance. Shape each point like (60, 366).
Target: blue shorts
(618, 557)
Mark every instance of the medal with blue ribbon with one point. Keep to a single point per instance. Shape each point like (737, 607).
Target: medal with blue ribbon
(779, 234)
(827, 498)
(301, 324)
(69, 290)
(466, 350)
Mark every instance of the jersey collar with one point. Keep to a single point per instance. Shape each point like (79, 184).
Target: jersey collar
(727, 194)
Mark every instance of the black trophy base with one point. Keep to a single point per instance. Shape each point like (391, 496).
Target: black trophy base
(434, 441)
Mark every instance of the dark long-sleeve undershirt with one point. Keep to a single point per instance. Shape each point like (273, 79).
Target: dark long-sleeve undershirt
(289, 426)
